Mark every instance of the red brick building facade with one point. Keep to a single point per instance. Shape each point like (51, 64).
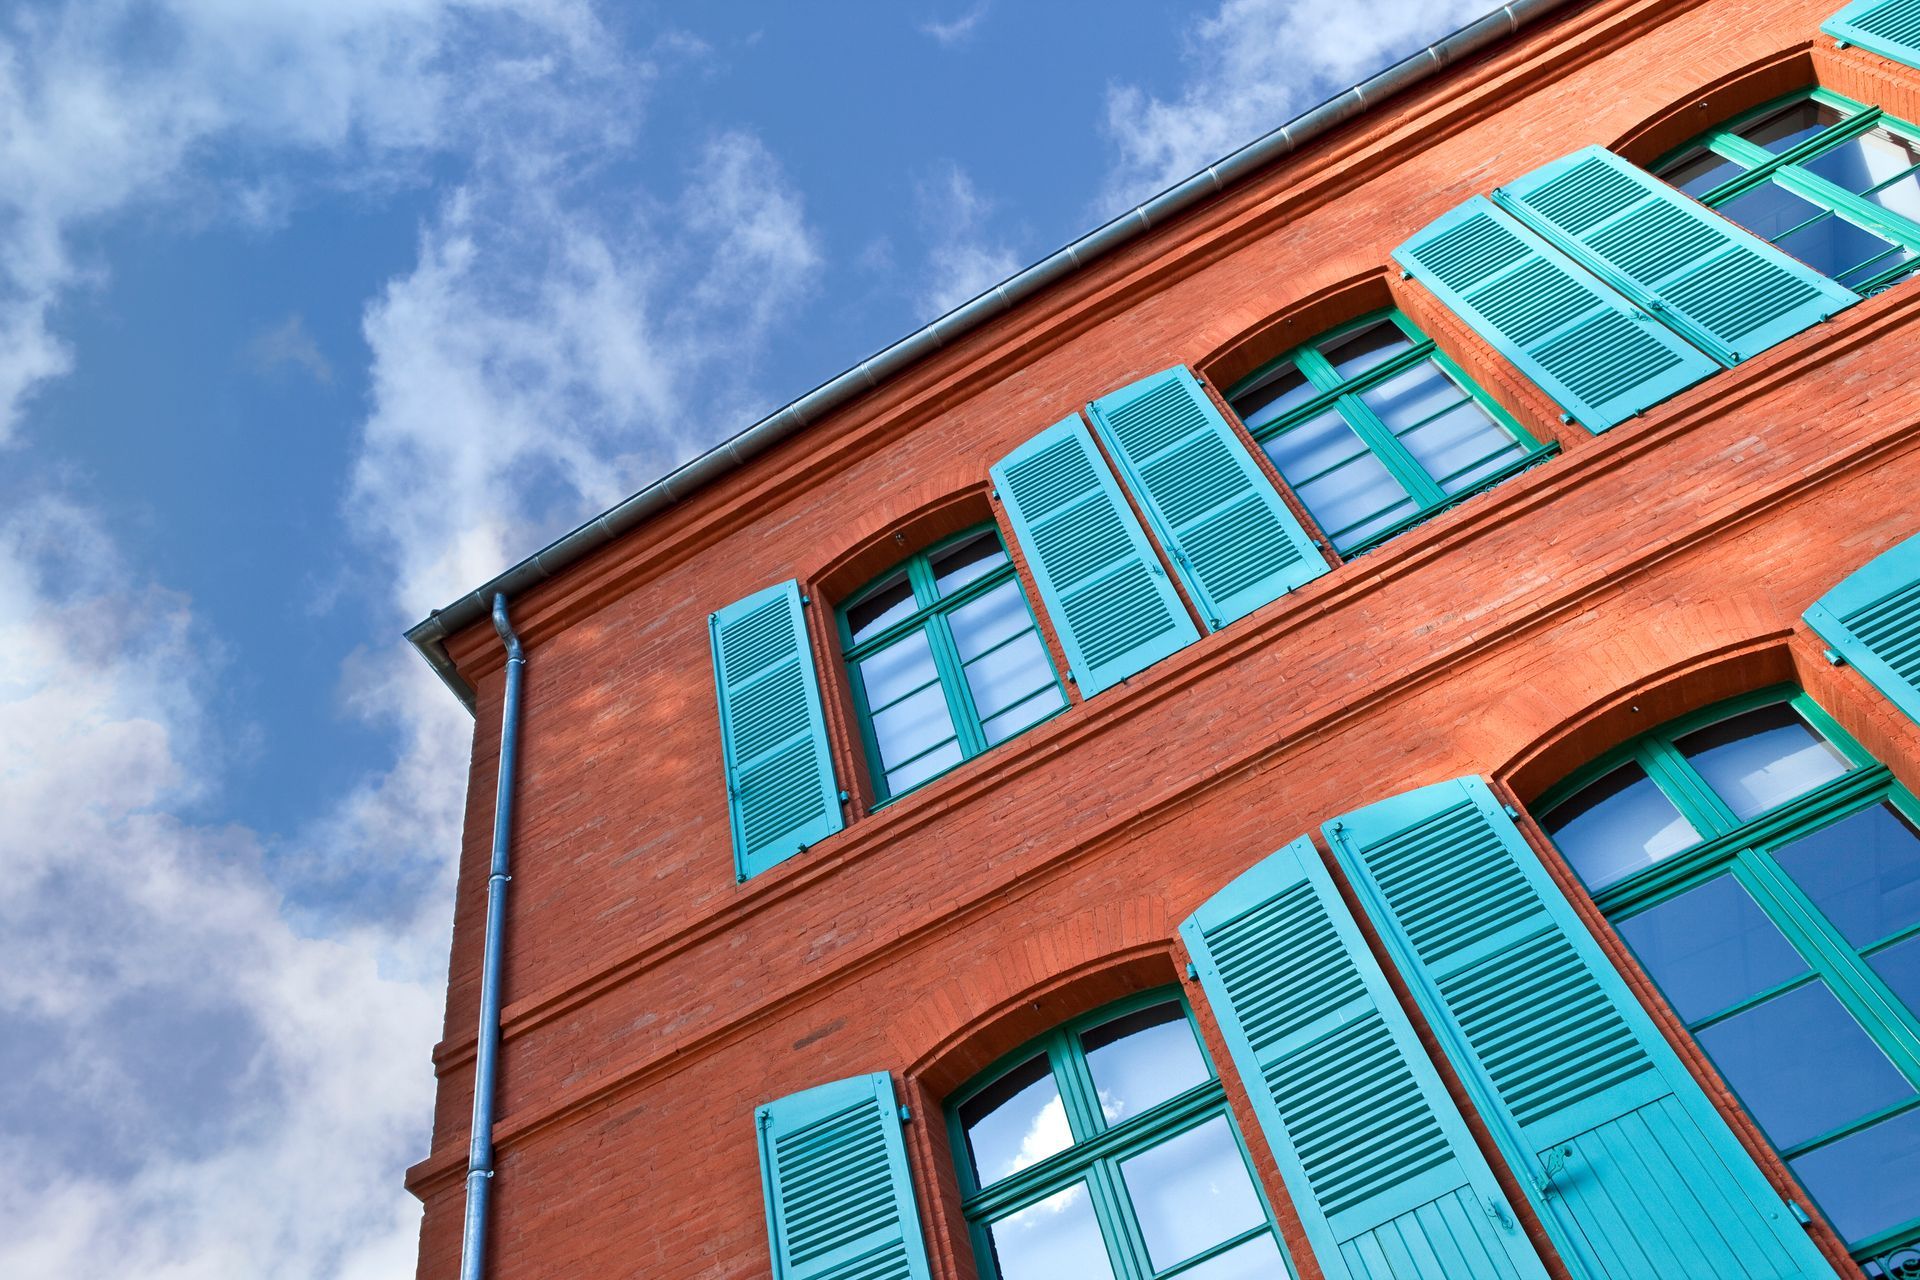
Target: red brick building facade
(1614, 582)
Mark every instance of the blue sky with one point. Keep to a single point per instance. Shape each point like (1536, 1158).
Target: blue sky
(313, 316)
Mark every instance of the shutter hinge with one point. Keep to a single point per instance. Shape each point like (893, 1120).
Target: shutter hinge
(906, 1112)
(1498, 1212)
(766, 1117)
(844, 797)
(994, 494)
(1405, 274)
(1158, 571)
(806, 599)
(1800, 1215)
(1554, 1165)
(713, 620)
(1511, 811)
(1566, 419)
(1834, 657)
(739, 877)
(1193, 974)
(1841, 44)
(1072, 679)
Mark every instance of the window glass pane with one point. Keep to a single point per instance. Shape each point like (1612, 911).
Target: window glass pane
(1868, 1181)
(1859, 164)
(897, 670)
(912, 725)
(1191, 1192)
(1358, 352)
(1015, 1122)
(1711, 946)
(1617, 825)
(1762, 758)
(1833, 246)
(1278, 392)
(1862, 872)
(919, 769)
(1413, 396)
(1051, 1240)
(1461, 447)
(1802, 1065)
(1342, 484)
(887, 605)
(957, 566)
(1142, 1059)
(1023, 714)
(1700, 171)
(1012, 673)
(1790, 126)
(1257, 1259)
(1899, 967)
(1769, 210)
(999, 615)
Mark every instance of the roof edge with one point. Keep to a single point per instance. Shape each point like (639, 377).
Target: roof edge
(430, 635)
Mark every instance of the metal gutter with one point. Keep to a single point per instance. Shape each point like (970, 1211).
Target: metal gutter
(429, 636)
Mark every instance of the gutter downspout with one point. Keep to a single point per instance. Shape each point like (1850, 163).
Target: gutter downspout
(473, 1244)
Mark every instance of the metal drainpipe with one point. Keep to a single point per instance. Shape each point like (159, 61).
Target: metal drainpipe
(473, 1244)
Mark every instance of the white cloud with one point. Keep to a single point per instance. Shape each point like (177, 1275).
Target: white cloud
(288, 345)
(958, 31)
(1253, 65)
(963, 260)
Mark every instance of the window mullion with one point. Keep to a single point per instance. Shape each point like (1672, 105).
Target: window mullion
(1119, 1225)
(1853, 982)
(1316, 367)
(953, 683)
(1384, 445)
(1683, 785)
(1850, 206)
(1076, 1086)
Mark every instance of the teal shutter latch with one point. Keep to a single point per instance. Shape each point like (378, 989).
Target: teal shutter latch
(839, 1199)
(1872, 620)
(1727, 291)
(1601, 357)
(1372, 1147)
(781, 792)
(1232, 537)
(1891, 28)
(1584, 1096)
(1110, 601)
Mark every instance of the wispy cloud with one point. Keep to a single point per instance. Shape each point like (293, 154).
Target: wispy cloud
(1253, 65)
(958, 31)
(289, 345)
(964, 258)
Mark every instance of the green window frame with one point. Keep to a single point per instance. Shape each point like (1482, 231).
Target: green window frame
(931, 621)
(1745, 167)
(1746, 851)
(1100, 1147)
(1346, 395)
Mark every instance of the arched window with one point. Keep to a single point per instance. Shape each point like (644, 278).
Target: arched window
(1374, 429)
(945, 661)
(1104, 1149)
(1824, 178)
(1766, 873)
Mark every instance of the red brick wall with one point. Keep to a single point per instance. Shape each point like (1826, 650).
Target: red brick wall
(652, 1002)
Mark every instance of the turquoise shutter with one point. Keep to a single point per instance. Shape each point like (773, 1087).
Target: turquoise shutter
(781, 795)
(834, 1169)
(1234, 542)
(1603, 358)
(1891, 28)
(1388, 1181)
(1872, 619)
(1635, 1173)
(1109, 599)
(1730, 292)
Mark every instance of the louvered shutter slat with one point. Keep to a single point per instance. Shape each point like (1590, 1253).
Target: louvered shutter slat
(839, 1199)
(1729, 291)
(1601, 357)
(1890, 28)
(1234, 542)
(1872, 619)
(1369, 1142)
(781, 794)
(1110, 601)
(1587, 1100)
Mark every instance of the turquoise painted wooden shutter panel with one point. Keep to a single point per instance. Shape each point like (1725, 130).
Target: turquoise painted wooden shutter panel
(1603, 358)
(1389, 1183)
(781, 795)
(834, 1169)
(1891, 28)
(1730, 292)
(1110, 601)
(1636, 1175)
(1872, 619)
(1233, 540)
